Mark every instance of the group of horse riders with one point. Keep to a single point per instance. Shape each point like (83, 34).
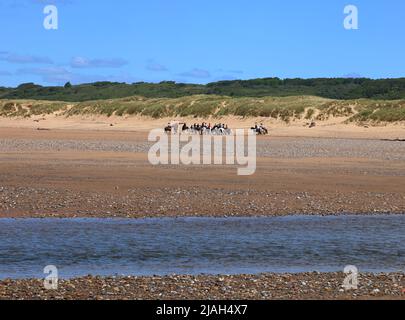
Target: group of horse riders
(205, 128)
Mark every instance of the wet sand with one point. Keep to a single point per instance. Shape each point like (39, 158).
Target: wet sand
(69, 173)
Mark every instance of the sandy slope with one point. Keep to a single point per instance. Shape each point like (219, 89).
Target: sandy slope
(333, 127)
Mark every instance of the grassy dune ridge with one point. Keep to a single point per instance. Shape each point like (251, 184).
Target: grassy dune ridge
(282, 108)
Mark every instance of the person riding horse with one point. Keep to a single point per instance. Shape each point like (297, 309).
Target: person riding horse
(168, 128)
(184, 128)
(173, 127)
(263, 129)
(260, 130)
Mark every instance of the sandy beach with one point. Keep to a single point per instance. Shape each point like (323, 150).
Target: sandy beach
(202, 151)
(333, 127)
(86, 168)
(91, 169)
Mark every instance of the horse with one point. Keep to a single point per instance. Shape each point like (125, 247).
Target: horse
(184, 128)
(264, 130)
(260, 130)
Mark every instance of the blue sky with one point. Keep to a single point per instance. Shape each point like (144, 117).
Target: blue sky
(198, 41)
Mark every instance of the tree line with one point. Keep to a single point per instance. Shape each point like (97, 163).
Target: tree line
(333, 88)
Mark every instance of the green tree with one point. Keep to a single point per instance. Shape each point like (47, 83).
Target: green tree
(68, 85)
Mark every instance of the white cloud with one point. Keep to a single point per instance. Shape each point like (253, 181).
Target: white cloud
(82, 62)
(4, 73)
(24, 59)
(352, 75)
(157, 67)
(42, 71)
(196, 73)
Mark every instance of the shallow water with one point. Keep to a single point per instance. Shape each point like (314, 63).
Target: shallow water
(201, 245)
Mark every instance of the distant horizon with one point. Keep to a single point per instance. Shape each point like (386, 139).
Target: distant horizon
(190, 83)
(112, 80)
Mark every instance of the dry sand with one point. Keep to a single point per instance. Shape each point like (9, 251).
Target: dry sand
(332, 128)
(95, 170)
